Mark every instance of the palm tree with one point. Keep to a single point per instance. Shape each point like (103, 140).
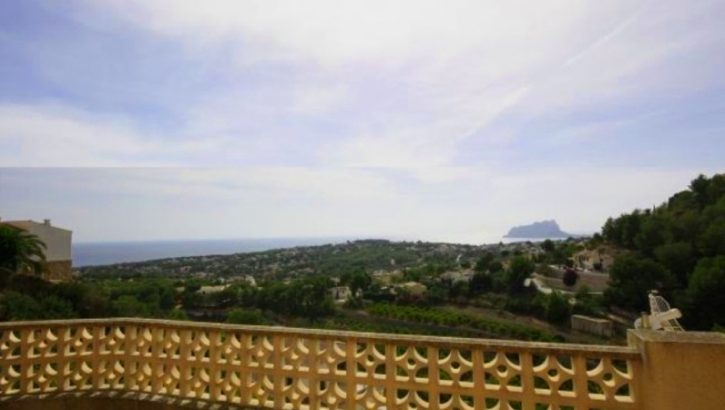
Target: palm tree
(19, 252)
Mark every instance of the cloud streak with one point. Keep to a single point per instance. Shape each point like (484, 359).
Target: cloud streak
(363, 84)
(436, 120)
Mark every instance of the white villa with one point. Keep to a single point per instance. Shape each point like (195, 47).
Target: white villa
(59, 261)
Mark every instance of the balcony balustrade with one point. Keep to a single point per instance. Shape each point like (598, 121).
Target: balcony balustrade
(287, 368)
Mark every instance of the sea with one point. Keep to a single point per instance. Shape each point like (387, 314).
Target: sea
(106, 253)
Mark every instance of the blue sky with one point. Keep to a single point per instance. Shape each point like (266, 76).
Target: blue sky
(167, 119)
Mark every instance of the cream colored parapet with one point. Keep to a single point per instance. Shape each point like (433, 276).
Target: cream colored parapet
(312, 369)
(681, 370)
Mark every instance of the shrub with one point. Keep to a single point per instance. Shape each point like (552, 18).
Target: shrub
(557, 308)
(570, 277)
(246, 317)
(519, 269)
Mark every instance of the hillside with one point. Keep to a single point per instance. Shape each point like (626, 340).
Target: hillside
(328, 260)
(677, 248)
(420, 287)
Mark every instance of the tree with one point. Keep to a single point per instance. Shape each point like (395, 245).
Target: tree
(359, 280)
(495, 266)
(53, 307)
(699, 187)
(309, 297)
(712, 240)
(19, 251)
(653, 232)
(190, 300)
(480, 282)
(29, 285)
(483, 264)
(706, 294)
(130, 306)
(458, 289)
(192, 285)
(677, 257)
(167, 296)
(632, 277)
(519, 270)
(548, 246)
(570, 277)
(672, 237)
(16, 306)
(177, 314)
(583, 295)
(436, 293)
(557, 308)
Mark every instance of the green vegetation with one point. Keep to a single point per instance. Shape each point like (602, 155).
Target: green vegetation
(557, 253)
(28, 297)
(705, 294)
(19, 252)
(305, 297)
(676, 248)
(520, 269)
(557, 308)
(327, 260)
(240, 316)
(445, 317)
(406, 287)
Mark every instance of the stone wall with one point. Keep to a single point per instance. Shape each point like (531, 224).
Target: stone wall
(58, 271)
(595, 326)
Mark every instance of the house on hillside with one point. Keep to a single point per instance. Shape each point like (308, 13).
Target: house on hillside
(59, 261)
(457, 275)
(600, 259)
(413, 288)
(595, 283)
(340, 294)
(211, 289)
(386, 278)
(250, 280)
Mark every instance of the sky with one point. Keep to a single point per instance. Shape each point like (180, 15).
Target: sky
(449, 121)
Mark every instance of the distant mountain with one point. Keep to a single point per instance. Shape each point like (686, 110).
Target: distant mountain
(543, 229)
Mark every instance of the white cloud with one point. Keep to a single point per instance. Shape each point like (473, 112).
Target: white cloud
(349, 117)
(445, 72)
(399, 85)
(415, 143)
(316, 100)
(332, 33)
(53, 135)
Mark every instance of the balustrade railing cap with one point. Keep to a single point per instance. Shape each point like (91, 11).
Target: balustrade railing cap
(679, 337)
(421, 340)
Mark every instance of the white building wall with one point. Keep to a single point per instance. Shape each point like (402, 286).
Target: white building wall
(57, 241)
